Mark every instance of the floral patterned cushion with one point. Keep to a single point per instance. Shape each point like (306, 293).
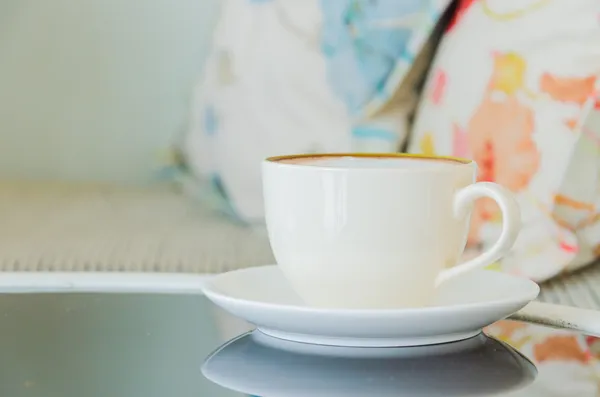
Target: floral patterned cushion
(304, 76)
(514, 86)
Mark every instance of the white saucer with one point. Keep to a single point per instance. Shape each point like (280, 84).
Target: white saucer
(463, 307)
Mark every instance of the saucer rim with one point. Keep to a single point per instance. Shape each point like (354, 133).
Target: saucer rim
(213, 294)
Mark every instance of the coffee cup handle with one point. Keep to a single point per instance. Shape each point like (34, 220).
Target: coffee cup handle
(511, 224)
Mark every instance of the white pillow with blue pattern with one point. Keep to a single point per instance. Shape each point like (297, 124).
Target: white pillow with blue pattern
(289, 76)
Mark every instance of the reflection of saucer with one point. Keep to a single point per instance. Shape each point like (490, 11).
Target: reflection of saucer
(462, 308)
(260, 365)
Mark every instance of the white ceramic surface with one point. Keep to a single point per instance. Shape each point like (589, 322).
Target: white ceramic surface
(374, 233)
(462, 307)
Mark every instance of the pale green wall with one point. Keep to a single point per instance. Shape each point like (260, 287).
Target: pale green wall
(96, 89)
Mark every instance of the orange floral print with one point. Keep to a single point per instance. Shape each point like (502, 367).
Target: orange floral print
(571, 123)
(506, 329)
(578, 214)
(564, 89)
(569, 90)
(502, 128)
(561, 199)
(440, 80)
(561, 348)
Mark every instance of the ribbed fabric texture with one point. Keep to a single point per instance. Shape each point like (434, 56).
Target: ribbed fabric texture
(580, 289)
(54, 227)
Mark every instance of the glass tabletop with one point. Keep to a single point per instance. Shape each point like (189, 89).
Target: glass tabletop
(94, 345)
(145, 346)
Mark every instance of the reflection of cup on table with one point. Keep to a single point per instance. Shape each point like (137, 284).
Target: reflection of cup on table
(376, 231)
(260, 365)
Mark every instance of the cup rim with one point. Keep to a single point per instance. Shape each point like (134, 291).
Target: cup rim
(280, 160)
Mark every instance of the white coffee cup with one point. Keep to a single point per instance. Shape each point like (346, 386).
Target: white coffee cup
(368, 231)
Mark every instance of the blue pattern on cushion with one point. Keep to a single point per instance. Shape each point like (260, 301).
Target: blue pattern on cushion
(362, 41)
(368, 132)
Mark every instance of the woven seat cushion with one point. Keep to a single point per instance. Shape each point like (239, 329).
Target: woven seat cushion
(62, 227)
